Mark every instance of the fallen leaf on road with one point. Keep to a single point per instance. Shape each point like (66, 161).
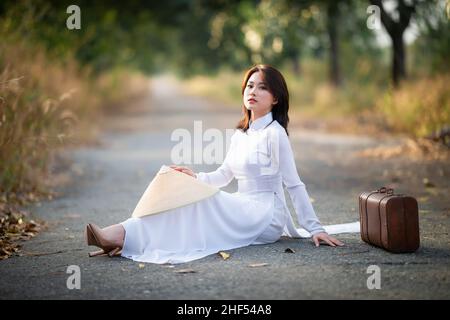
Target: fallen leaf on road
(224, 255)
(289, 250)
(15, 225)
(257, 265)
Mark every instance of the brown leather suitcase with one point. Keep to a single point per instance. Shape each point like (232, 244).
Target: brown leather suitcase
(389, 221)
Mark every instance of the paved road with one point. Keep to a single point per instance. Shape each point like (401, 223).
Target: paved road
(109, 179)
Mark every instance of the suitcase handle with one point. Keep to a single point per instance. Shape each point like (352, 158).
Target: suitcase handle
(386, 190)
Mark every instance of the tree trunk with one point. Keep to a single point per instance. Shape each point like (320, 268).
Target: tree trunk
(399, 59)
(395, 29)
(333, 34)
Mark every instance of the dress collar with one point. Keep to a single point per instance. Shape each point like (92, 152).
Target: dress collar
(261, 122)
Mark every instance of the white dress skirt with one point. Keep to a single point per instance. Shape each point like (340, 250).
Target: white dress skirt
(223, 221)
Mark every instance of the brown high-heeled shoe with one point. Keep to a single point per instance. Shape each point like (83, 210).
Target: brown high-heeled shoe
(95, 238)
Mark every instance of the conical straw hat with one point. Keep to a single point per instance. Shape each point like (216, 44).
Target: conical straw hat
(171, 189)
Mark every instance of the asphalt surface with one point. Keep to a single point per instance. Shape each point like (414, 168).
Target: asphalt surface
(108, 180)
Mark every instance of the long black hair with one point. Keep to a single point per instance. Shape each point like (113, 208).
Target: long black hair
(277, 87)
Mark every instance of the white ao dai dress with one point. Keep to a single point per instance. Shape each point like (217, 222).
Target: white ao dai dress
(261, 160)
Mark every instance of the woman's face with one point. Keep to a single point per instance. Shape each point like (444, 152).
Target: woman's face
(257, 97)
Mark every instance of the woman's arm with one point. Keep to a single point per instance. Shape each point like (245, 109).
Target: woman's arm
(296, 188)
(219, 178)
(299, 196)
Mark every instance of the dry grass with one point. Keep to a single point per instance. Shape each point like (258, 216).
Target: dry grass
(42, 104)
(419, 108)
(46, 104)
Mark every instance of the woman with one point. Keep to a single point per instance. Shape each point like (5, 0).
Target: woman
(261, 159)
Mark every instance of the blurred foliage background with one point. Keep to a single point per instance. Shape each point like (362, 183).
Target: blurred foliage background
(54, 81)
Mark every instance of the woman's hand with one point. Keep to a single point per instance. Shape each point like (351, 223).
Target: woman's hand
(323, 236)
(185, 170)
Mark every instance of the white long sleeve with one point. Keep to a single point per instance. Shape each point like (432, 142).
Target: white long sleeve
(222, 176)
(296, 188)
(218, 178)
